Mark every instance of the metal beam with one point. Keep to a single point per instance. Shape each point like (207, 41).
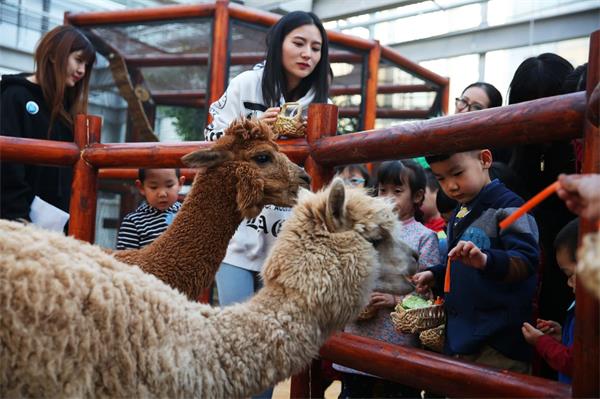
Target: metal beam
(490, 38)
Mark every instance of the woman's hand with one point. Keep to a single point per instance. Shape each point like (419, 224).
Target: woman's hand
(423, 281)
(381, 300)
(550, 327)
(581, 194)
(270, 115)
(530, 333)
(469, 254)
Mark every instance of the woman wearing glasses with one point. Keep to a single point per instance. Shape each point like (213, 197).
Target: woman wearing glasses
(478, 96)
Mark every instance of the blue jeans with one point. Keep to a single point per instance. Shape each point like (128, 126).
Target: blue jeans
(235, 285)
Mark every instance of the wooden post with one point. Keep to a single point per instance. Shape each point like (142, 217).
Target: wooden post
(322, 122)
(586, 363)
(370, 100)
(445, 98)
(218, 54)
(82, 209)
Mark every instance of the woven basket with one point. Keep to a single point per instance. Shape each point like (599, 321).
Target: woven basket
(416, 320)
(434, 338)
(288, 120)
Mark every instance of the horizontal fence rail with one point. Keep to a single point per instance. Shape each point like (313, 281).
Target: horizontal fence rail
(39, 152)
(547, 119)
(418, 368)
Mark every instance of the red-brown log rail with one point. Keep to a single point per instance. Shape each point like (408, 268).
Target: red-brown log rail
(408, 65)
(433, 372)
(168, 155)
(141, 14)
(354, 112)
(132, 173)
(552, 118)
(381, 89)
(38, 152)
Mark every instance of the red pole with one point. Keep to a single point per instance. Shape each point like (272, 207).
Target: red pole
(586, 364)
(322, 122)
(370, 108)
(82, 211)
(218, 54)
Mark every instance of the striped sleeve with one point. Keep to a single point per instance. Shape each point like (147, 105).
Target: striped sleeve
(128, 237)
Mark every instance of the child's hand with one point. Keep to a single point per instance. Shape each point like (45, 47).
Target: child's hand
(469, 254)
(381, 300)
(530, 333)
(423, 281)
(270, 115)
(550, 327)
(581, 194)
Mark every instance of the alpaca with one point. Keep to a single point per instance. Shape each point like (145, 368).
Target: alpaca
(77, 323)
(244, 172)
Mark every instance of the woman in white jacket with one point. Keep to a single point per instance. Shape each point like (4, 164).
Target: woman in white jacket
(296, 69)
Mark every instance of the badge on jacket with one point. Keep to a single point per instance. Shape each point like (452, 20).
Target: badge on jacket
(32, 107)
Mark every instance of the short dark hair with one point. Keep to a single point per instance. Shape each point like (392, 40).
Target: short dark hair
(274, 84)
(539, 77)
(432, 183)
(576, 80)
(142, 173)
(491, 92)
(442, 157)
(568, 238)
(399, 172)
(444, 203)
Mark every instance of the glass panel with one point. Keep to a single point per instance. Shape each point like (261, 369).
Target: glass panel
(180, 123)
(248, 44)
(462, 71)
(176, 77)
(191, 36)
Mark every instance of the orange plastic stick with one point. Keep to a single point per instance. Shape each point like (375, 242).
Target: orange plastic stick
(447, 278)
(526, 207)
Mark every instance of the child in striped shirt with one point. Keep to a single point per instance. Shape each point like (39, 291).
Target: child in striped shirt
(160, 188)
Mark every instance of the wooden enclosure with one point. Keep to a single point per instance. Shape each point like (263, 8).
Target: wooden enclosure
(562, 117)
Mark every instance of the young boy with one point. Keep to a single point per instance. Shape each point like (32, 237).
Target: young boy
(552, 342)
(160, 188)
(492, 272)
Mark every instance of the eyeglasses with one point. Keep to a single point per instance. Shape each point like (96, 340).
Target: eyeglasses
(355, 181)
(462, 103)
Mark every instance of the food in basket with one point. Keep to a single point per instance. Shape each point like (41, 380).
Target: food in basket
(289, 121)
(367, 313)
(415, 302)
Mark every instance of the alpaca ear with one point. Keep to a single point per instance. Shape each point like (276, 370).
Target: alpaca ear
(207, 158)
(250, 192)
(335, 211)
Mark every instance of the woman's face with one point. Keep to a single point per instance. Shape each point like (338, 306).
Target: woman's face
(301, 52)
(76, 66)
(472, 99)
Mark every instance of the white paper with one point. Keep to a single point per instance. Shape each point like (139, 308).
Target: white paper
(47, 216)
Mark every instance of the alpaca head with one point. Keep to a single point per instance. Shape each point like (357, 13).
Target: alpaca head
(330, 250)
(264, 174)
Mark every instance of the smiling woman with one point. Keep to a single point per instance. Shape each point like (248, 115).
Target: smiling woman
(42, 105)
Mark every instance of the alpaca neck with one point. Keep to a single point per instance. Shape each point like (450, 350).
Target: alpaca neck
(188, 254)
(291, 336)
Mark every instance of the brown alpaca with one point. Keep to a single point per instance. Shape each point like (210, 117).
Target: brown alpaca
(244, 171)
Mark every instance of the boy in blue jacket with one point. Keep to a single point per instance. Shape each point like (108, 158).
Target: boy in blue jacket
(492, 271)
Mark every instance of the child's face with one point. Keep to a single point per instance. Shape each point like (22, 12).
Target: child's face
(567, 265)
(353, 178)
(161, 187)
(429, 207)
(403, 197)
(463, 175)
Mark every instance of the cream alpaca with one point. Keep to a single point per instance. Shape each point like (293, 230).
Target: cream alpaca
(245, 171)
(77, 323)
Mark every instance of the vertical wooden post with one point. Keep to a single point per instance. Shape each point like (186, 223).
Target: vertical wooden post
(586, 363)
(84, 189)
(218, 65)
(445, 98)
(322, 122)
(370, 108)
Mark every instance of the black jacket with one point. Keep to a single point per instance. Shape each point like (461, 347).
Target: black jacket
(24, 113)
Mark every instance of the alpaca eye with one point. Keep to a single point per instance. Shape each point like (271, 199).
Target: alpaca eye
(262, 158)
(376, 242)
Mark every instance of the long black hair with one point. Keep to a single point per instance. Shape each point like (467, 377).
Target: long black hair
(490, 91)
(274, 83)
(539, 77)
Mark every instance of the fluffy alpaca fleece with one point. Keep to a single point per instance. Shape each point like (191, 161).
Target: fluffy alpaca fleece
(244, 171)
(588, 265)
(77, 323)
